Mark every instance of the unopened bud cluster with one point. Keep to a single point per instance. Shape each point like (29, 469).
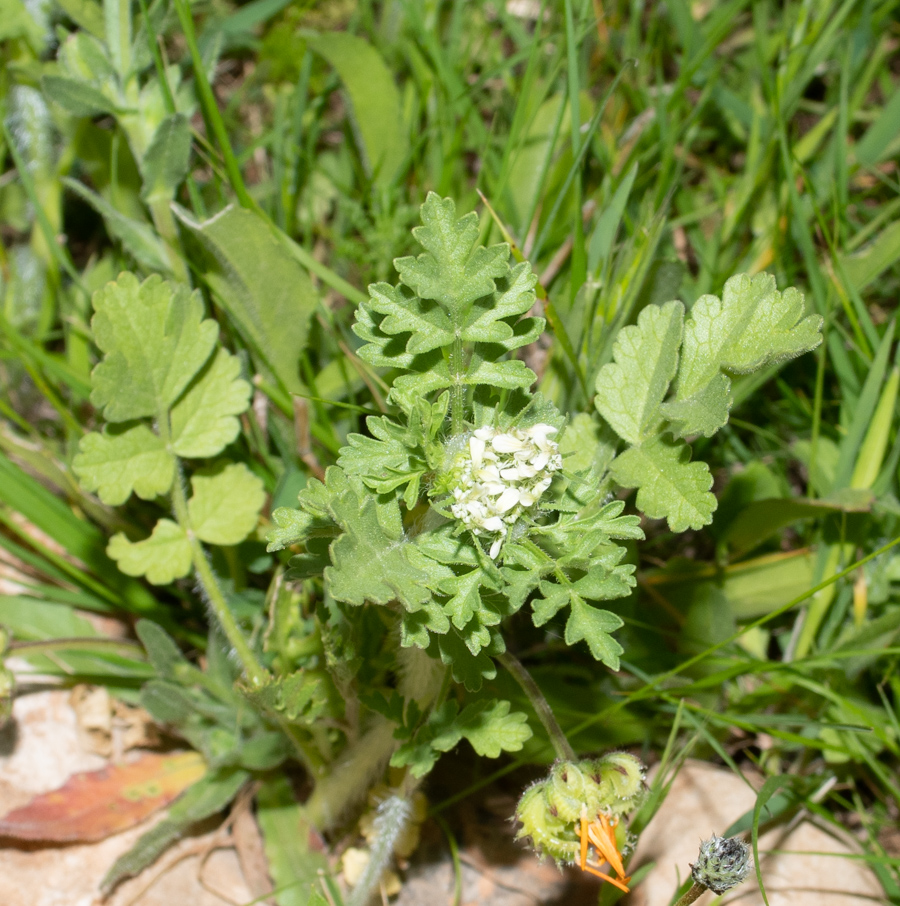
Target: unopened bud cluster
(551, 810)
(723, 863)
(502, 474)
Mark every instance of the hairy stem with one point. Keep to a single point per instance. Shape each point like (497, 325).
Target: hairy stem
(458, 393)
(561, 745)
(692, 895)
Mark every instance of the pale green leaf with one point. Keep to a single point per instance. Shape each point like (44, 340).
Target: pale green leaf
(167, 159)
(162, 558)
(263, 289)
(77, 97)
(204, 420)
(374, 101)
(426, 323)
(704, 412)
(225, 506)
(86, 14)
(631, 389)
(154, 339)
(594, 627)
(209, 795)
(370, 561)
(753, 325)
(491, 729)
(452, 270)
(514, 297)
(117, 462)
(669, 484)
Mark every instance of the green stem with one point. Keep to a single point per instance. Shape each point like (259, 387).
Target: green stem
(212, 590)
(458, 397)
(563, 749)
(692, 895)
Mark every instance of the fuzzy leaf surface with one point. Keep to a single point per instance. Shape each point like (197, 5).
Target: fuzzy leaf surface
(204, 421)
(155, 340)
(594, 626)
(369, 561)
(117, 463)
(669, 484)
(162, 558)
(702, 413)
(753, 325)
(451, 271)
(631, 389)
(225, 505)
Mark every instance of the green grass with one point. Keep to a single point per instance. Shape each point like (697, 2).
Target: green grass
(707, 139)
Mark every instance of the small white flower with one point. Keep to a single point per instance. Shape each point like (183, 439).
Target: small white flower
(504, 474)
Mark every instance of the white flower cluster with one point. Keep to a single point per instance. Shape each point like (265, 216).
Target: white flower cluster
(503, 474)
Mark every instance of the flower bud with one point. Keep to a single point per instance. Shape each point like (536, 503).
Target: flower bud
(571, 791)
(550, 835)
(620, 781)
(722, 864)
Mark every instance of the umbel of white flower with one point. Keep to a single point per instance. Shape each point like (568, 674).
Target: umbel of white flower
(502, 474)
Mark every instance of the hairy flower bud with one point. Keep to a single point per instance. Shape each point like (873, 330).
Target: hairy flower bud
(723, 863)
(620, 778)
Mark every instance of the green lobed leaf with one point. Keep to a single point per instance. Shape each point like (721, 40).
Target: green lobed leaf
(118, 461)
(300, 696)
(491, 729)
(226, 502)
(704, 412)
(154, 339)
(753, 325)
(669, 484)
(631, 389)
(370, 561)
(204, 421)
(162, 558)
(452, 271)
(594, 627)
(427, 324)
(514, 297)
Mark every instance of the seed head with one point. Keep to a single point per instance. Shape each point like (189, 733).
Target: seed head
(723, 863)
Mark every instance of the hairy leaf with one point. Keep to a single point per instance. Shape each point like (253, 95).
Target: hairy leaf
(266, 293)
(166, 160)
(452, 270)
(162, 558)
(369, 561)
(631, 389)
(117, 462)
(594, 626)
(154, 339)
(669, 484)
(206, 797)
(204, 420)
(225, 506)
(751, 326)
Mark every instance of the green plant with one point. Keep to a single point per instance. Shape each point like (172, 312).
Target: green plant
(662, 180)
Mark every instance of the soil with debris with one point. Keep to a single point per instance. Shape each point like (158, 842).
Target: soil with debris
(55, 734)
